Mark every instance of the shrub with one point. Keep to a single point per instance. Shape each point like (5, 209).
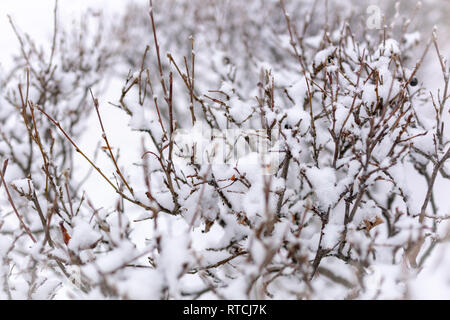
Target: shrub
(282, 156)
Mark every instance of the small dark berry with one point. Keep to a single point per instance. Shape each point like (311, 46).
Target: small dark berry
(414, 82)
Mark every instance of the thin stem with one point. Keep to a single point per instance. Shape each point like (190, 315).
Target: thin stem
(19, 216)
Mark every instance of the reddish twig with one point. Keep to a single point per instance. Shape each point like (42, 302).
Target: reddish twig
(19, 216)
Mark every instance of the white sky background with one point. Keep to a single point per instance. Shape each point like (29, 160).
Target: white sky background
(36, 18)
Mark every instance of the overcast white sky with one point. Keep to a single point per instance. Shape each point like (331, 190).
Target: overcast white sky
(36, 18)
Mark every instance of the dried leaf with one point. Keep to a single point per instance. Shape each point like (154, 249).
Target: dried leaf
(369, 224)
(208, 225)
(65, 234)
